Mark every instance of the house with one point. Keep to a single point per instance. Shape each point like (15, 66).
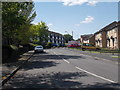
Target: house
(108, 37)
(85, 38)
(112, 36)
(92, 39)
(100, 38)
(119, 35)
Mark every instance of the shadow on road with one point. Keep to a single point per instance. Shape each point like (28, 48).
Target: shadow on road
(45, 56)
(39, 64)
(47, 80)
(54, 80)
(104, 85)
(51, 79)
(45, 60)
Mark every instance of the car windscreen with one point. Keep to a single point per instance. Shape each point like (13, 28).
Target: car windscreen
(86, 44)
(39, 47)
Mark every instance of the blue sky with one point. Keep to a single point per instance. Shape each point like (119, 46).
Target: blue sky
(79, 18)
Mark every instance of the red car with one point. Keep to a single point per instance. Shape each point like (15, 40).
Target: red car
(73, 45)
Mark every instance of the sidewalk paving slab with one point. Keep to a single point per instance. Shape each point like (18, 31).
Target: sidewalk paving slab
(9, 68)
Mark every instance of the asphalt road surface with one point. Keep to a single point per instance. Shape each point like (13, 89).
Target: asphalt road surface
(63, 68)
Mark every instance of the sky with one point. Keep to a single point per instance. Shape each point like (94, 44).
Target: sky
(79, 17)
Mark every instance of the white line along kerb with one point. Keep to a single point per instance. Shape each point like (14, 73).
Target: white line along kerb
(96, 75)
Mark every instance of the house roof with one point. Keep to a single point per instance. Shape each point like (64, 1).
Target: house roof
(108, 27)
(55, 33)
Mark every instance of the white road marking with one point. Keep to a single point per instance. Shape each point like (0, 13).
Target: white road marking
(96, 75)
(63, 58)
(66, 61)
(54, 53)
(90, 72)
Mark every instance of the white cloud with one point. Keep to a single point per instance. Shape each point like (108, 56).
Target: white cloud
(78, 2)
(73, 2)
(92, 3)
(50, 24)
(88, 19)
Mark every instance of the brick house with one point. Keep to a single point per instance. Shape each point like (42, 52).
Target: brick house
(92, 39)
(108, 37)
(112, 36)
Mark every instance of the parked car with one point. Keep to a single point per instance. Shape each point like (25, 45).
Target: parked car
(54, 45)
(38, 49)
(73, 44)
(89, 46)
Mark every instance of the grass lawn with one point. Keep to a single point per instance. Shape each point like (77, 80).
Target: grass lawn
(102, 51)
(93, 51)
(115, 56)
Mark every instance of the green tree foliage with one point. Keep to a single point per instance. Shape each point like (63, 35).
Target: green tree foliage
(43, 35)
(16, 19)
(34, 33)
(39, 33)
(67, 37)
(49, 45)
(23, 35)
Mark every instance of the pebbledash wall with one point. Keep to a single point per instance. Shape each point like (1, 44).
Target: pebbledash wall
(108, 37)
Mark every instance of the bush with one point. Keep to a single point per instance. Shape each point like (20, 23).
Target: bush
(49, 45)
(9, 52)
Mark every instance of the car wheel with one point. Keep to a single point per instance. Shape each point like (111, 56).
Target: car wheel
(97, 49)
(83, 49)
(35, 51)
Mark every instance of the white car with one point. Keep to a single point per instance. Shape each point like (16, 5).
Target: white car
(38, 49)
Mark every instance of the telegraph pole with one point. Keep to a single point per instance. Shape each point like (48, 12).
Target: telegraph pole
(72, 34)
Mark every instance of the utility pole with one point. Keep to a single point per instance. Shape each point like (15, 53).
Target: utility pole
(72, 34)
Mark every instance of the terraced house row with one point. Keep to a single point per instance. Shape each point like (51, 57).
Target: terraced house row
(107, 37)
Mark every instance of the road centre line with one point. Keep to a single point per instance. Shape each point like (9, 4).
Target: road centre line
(95, 75)
(63, 58)
(54, 53)
(66, 60)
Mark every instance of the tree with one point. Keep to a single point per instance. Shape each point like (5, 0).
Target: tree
(34, 34)
(16, 16)
(67, 37)
(43, 35)
(39, 33)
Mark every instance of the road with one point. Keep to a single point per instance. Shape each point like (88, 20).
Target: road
(64, 68)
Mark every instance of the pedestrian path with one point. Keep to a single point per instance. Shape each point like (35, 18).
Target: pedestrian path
(9, 68)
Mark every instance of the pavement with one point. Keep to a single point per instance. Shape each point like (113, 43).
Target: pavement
(9, 68)
(65, 68)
